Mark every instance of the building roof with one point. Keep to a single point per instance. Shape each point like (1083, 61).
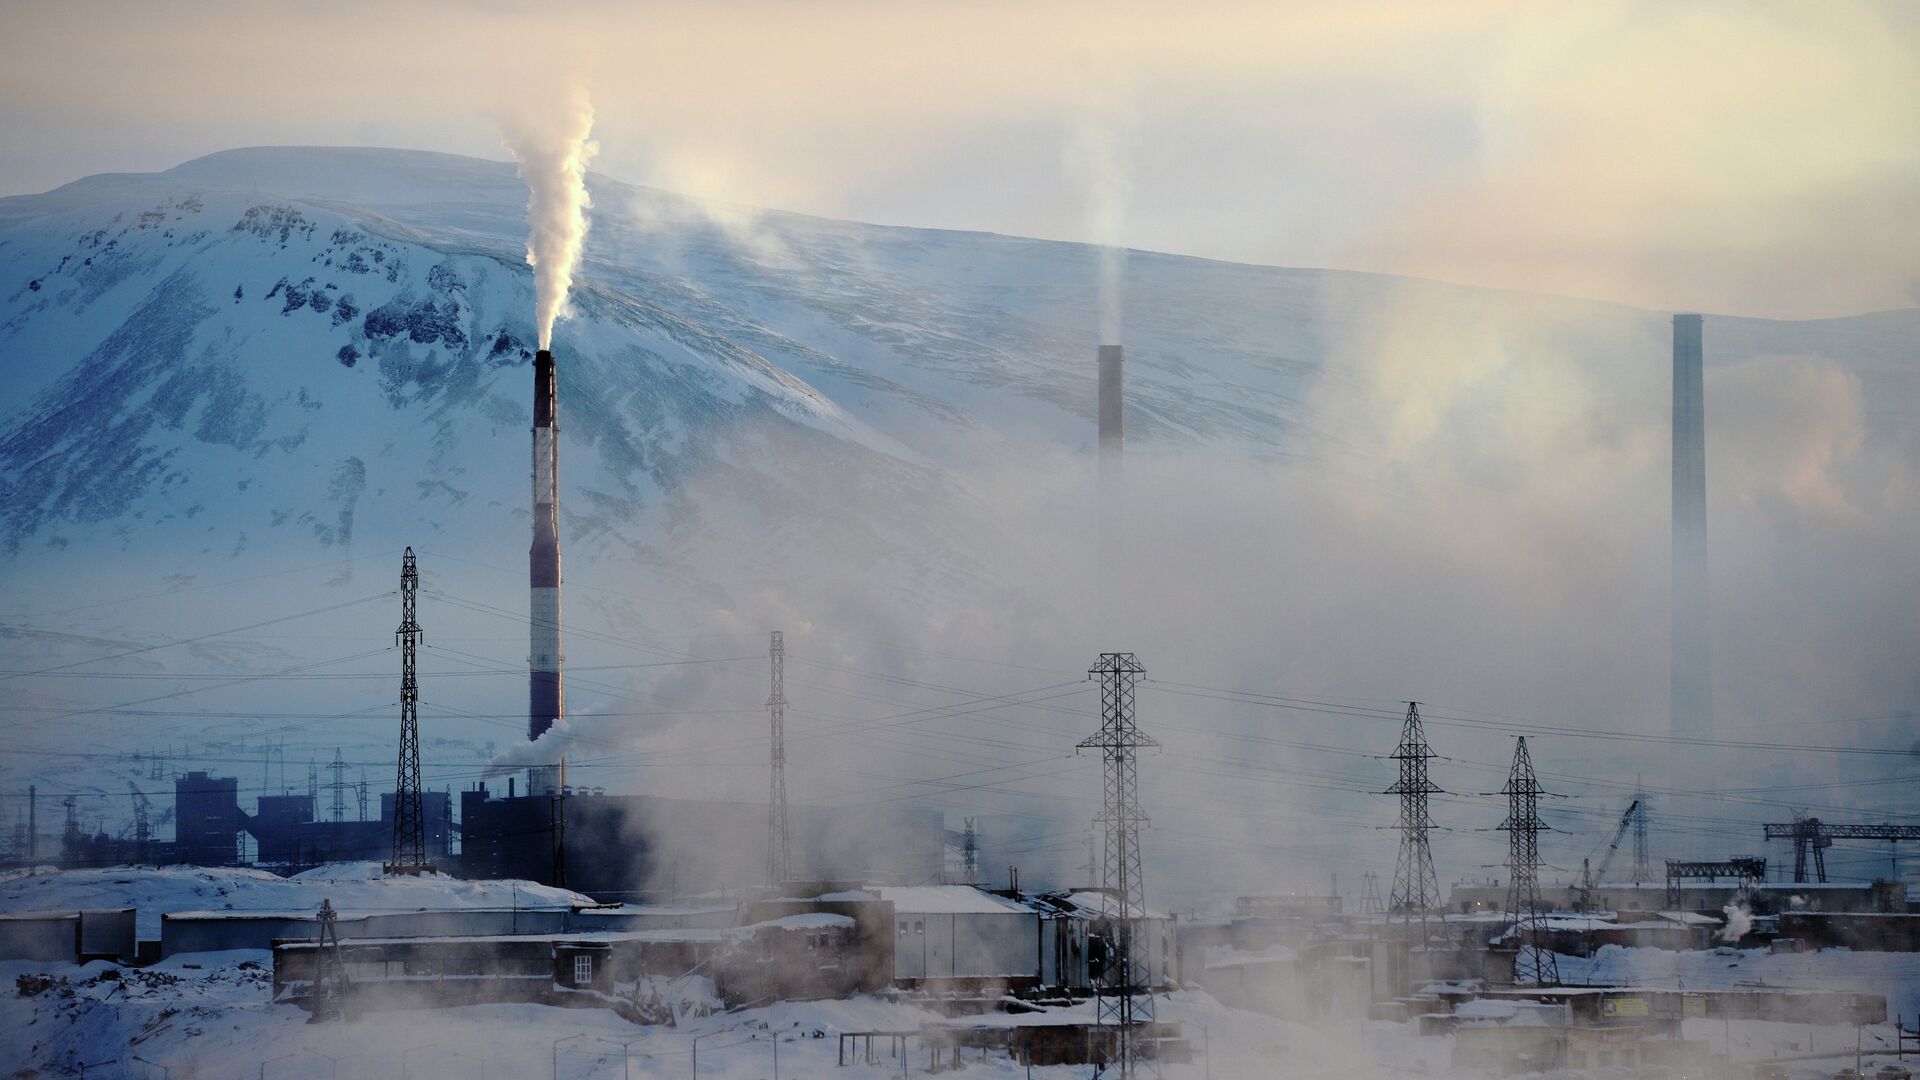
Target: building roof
(809, 920)
(1093, 903)
(947, 900)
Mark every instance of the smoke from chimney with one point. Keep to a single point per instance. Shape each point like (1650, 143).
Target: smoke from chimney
(552, 145)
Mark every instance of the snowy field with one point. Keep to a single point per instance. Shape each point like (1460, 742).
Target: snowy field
(1893, 975)
(209, 1016)
(213, 1021)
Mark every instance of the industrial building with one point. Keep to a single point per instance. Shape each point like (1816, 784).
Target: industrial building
(958, 935)
(630, 847)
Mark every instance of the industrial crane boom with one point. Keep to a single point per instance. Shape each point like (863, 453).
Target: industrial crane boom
(1588, 875)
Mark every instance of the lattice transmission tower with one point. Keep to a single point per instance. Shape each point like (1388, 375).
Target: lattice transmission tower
(1533, 959)
(970, 853)
(1642, 869)
(1416, 891)
(1123, 997)
(779, 847)
(1370, 894)
(409, 816)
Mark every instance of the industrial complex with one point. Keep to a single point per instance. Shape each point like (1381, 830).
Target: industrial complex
(654, 888)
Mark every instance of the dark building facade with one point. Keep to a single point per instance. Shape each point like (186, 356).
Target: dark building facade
(630, 847)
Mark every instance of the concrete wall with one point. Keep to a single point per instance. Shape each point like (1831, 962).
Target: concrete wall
(108, 934)
(218, 931)
(46, 936)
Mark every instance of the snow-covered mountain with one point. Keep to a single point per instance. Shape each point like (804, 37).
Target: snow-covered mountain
(279, 345)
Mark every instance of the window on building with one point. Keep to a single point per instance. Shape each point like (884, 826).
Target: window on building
(903, 928)
(582, 970)
(919, 927)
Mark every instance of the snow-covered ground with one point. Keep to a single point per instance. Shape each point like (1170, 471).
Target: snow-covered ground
(1894, 975)
(208, 1016)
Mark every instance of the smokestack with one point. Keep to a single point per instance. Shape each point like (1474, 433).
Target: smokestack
(1692, 658)
(1113, 407)
(546, 695)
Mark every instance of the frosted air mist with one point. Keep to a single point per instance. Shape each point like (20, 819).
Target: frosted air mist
(550, 138)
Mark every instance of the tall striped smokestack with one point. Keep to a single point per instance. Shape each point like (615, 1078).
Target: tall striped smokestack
(1113, 410)
(546, 694)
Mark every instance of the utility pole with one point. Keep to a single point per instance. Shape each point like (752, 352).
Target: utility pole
(70, 838)
(1416, 892)
(779, 852)
(330, 983)
(33, 824)
(1123, 998)
(409, 817)
(1533, 959)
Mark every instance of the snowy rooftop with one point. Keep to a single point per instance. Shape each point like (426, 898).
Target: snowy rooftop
(662, 910)
(1094, 902)
(354, 888)
(948, 900)
(809, 920)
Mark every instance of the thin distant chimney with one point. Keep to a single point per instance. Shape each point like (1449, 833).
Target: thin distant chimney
(1113, 406)
(1692, 655)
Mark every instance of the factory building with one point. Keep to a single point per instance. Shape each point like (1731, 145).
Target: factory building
(631, 847)
(949, 935)
(288, 834)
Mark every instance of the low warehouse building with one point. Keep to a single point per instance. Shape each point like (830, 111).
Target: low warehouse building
(946, 935)
(1080, 945)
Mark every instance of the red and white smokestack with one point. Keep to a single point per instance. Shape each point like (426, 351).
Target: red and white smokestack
(1113, 412)
(546, 694)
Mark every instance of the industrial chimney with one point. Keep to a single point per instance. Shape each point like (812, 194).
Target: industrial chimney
(546, 694)
(1113, 410)
(1692, 703)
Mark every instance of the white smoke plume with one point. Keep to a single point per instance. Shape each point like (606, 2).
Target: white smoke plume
(550, 137)
(1098, 159)
(1739, 923)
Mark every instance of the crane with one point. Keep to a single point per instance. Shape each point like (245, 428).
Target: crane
(1588, 875)
(1812, 837)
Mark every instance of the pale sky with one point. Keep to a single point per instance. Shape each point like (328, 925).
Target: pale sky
(1752, 158)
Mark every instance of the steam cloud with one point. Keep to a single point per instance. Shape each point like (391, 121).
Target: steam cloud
(550, 139)
(1097, 159)
(1739, 923)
